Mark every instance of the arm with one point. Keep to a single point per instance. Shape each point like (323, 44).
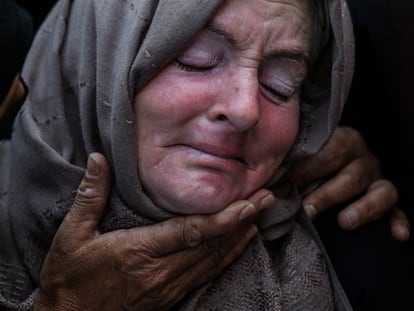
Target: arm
(350, 170)
(142, 268)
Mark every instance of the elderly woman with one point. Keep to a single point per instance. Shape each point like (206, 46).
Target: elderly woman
(196, 106)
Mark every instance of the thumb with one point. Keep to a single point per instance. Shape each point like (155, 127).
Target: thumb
(91, 199)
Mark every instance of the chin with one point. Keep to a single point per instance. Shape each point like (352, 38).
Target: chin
(200, 209)
(203, 205)
(191, 202)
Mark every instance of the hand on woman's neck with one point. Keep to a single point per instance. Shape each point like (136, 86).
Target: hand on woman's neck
(15, 93)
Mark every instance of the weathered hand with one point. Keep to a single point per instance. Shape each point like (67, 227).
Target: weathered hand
(145, 268)
(349, 170)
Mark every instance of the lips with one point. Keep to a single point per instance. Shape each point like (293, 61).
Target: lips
(223, 151)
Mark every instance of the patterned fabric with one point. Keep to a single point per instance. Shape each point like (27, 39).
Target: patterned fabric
(290, 274)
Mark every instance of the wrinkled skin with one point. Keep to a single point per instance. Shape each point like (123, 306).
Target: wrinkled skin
(146, 268)
(179, 251)
(351, 170)
(215, 125)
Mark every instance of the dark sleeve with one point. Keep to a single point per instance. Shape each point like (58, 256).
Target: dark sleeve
(16, 33)
(381, 101)
(375, 270)
(37, 9)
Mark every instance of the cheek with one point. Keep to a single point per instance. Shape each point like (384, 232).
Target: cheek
(271, 143)
(165, 110)
(280, 129)
(172, 97)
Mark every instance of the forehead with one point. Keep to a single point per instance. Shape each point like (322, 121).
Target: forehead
(278, 24)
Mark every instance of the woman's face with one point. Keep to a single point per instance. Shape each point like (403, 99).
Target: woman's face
(215, 125)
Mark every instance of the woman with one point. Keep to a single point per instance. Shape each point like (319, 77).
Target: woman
(120, 79)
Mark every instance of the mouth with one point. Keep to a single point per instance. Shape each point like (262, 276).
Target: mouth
(224, 152)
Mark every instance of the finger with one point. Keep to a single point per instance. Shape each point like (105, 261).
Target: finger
(345, 145)
(210, 267)
(189, 231)
(91, 199)
(212, 252)
(381, 196)
(176, 274)
(400, 225)
(354, 179)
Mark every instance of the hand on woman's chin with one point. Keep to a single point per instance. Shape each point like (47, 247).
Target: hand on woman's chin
(185, 183)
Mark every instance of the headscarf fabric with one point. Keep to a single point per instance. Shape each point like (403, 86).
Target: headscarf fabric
(88, 61)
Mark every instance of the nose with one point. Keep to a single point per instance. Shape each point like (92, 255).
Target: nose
(238, 104)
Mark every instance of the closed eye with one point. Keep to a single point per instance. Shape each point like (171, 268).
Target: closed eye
(275, 94)
(192, 68)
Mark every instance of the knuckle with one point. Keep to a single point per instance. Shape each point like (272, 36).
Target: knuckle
(366, 210)
(320, 201)
(189, 233)
(353, 182)
(129, 256)
(341, 138)
(392, 191)
(389, 191)
(125, 262)
(147, 275)
(352, 136)
(157, 279)
(88, 198)
(137, 263)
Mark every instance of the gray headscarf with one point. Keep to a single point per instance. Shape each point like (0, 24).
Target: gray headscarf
(87, 63)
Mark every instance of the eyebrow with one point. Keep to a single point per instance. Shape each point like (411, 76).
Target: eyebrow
(226, 35)
(296, 55)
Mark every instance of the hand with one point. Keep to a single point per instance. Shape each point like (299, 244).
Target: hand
(355, 171)
(15, 93)
(144, 268)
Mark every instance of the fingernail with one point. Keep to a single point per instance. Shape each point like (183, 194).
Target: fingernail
(310, 210)
(248, 211)
(351, 217)
(403, 232)
(92, 168)
(267, 202)
(252, 232)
